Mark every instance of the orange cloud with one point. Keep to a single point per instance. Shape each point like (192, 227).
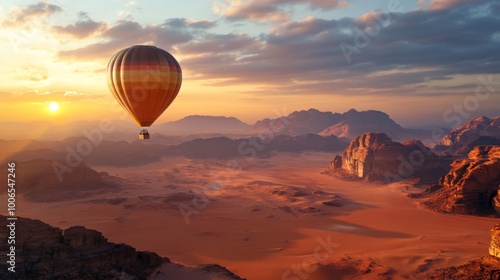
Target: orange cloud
(269, 10)
(83, 28)
(446, 4)
(25, 17)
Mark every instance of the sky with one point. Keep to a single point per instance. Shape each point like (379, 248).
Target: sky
(422, 62)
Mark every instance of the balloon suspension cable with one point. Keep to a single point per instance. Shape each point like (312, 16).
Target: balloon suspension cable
(144, 134)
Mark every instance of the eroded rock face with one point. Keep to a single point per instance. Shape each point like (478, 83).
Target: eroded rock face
(45, 252)
(479, 131)
(495, 241)
(471, 186)
(375, 157)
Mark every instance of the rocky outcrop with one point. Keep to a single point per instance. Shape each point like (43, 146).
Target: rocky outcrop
(487, 267)
(45, 252)
(462, 139)
(473, 182)
(471, 186)
(495, 241)
(375, 157)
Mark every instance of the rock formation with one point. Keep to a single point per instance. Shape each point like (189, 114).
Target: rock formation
(495, 241)
(471, 186)
(45, 252)
(479, 131)
(375, 157)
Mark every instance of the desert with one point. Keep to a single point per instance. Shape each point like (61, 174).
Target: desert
(273, 213)
(250, 139)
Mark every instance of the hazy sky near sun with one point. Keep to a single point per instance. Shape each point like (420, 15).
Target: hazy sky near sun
(414, 59)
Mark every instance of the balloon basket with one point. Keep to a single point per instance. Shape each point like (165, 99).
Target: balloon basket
(144, 134)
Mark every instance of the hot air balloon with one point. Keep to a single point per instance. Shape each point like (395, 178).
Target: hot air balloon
(145, 80)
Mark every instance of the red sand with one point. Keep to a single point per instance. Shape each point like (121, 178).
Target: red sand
(249, 230)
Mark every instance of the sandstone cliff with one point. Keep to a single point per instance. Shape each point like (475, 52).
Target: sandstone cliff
(495, 241)
(45, 252)
(471, 186)
(479, 131)
(375, 157)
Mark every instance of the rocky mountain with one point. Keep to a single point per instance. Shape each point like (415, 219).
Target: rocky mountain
(50, 180)
(375, 157)
(479, 131)
(297, 123)
(355, 123)
(45, 252)
(347, 125)
(471, 186)
(203, 124)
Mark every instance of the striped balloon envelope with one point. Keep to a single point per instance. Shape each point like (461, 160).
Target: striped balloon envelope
(145, 80)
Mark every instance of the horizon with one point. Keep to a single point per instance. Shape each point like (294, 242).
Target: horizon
(276, 115)
(236, 58)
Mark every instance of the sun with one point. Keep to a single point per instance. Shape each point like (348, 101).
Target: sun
(53, 106)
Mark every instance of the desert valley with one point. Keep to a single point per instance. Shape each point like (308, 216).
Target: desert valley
(310, 195)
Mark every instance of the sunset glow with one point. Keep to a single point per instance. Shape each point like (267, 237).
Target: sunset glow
(245, 60)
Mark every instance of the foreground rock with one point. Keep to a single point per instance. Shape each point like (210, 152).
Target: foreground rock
(479, 131)
(471, 186)
(495, 241)
(375, 157)
(45, 252)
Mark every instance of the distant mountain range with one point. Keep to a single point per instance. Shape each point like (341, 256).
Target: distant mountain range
(122, 153)
(347, 125)
(204, 124)
(462, 139)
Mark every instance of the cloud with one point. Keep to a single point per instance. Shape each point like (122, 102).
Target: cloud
(189, 23)
(408, 50)
(395, 51)
(24, 17)
(83, 28)
(447, 4)
(216, 43)
(38, 77)
(268, 10)
(35, 96)
(128, 32)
